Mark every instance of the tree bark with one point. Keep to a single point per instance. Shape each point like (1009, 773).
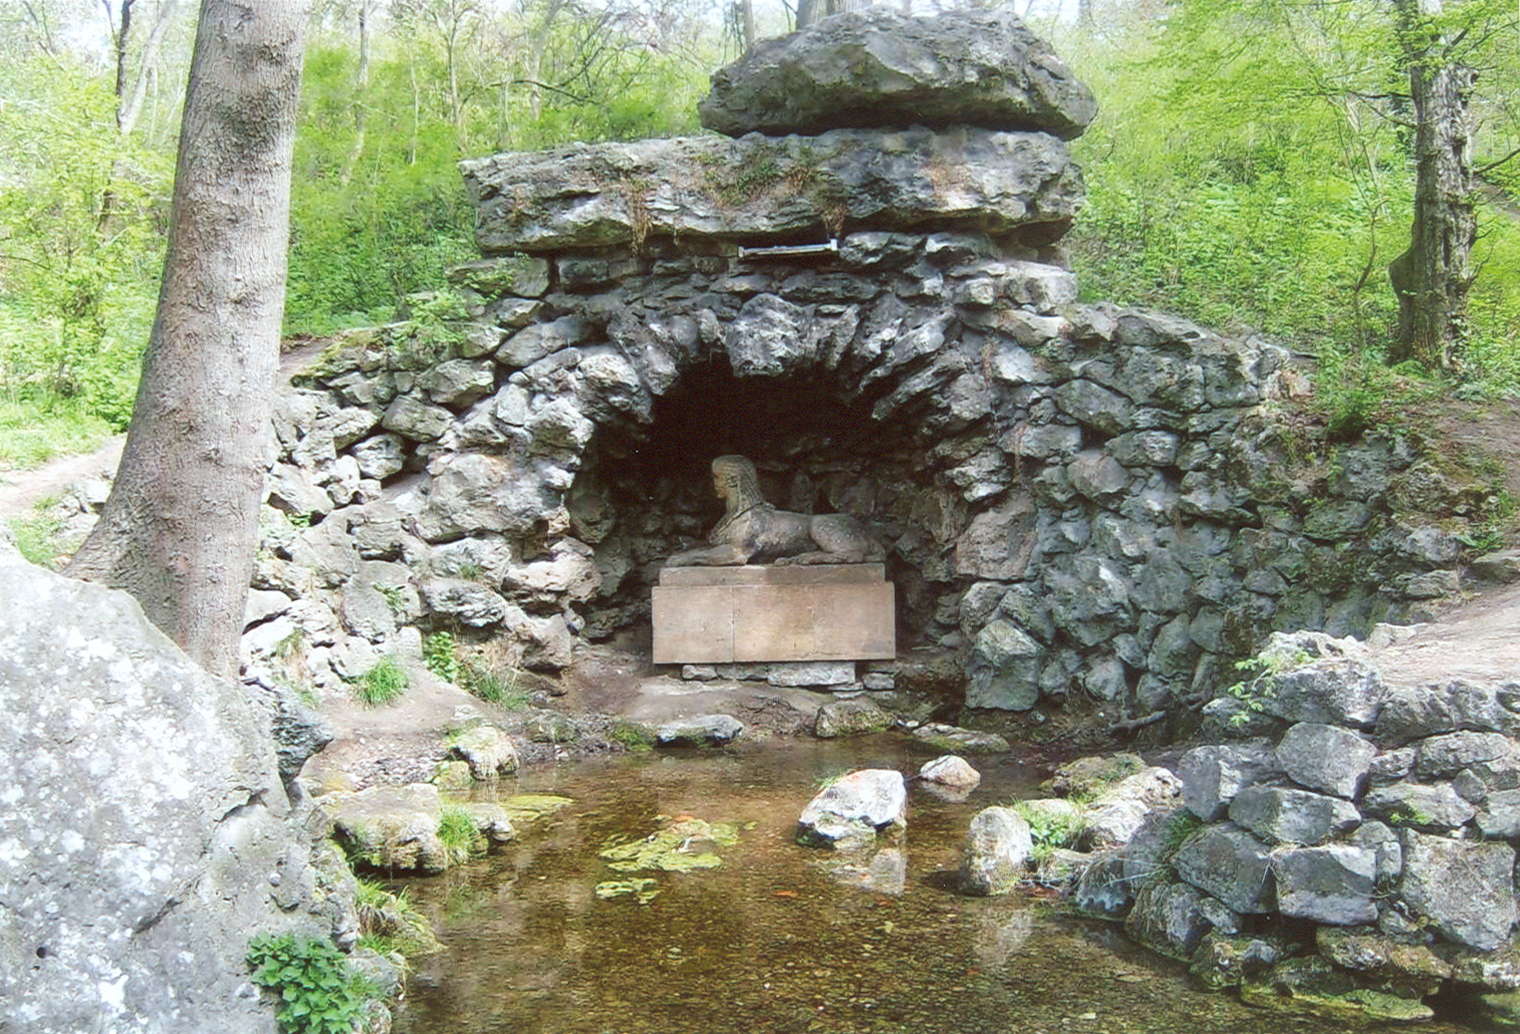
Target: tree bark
(1431, 279)
(179, 529)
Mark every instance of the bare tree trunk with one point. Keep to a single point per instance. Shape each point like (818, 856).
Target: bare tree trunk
(129, 103)
(1432, 278)
(746, 22)
(360, 100)
(179, 529)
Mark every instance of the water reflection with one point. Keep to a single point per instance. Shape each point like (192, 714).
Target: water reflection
(779, 938)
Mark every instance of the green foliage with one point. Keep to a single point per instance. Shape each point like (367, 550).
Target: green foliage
(83, 210)
(1250, 169)
(395, 597)
(1253, 692)
(438, 655)
(632, 736)
(318, 991)
(383, 684)
(391, 923)
(1049, 828)
(500, 686)
(36, 536)
(36, 427)
(459, 836)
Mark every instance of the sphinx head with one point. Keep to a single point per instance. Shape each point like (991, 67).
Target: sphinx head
(735, 482)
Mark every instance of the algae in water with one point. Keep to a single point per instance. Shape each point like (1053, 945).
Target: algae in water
(684, 844)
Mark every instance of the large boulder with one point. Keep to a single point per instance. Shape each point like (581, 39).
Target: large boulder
(759, 189)
(874, 69)
(1280, 815)
(1167, 917)
(854, 809)
(996, 856)
(1230, 864)
(1325, 758)
(145, 833)
(1331, 884)
(1119, 812)
(1464, 887)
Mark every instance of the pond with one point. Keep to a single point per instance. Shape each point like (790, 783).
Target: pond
(772, 940)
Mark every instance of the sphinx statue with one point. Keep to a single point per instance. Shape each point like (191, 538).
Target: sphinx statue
(754, 531)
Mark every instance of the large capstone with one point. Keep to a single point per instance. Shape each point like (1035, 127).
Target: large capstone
(757, 189)
(878, 70)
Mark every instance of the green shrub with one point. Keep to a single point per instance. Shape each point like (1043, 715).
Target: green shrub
(318, 990)
(383, 684)
(438, 653)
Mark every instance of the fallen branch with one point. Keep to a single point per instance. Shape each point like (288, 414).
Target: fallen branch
(1130, 725)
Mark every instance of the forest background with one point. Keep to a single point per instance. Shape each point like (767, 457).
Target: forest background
(1251, 168)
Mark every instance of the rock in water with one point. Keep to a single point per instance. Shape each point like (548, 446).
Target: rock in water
(874, 69)
(145, 834)
(952, 771)
(996, 858)
(854, 809)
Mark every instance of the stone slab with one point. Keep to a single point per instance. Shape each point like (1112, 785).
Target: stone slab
(766, 574)
(725, 624)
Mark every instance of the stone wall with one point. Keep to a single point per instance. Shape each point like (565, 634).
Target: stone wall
(1357, 848)
(1074, 498)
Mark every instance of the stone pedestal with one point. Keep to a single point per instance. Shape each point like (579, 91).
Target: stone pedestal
(723, 615)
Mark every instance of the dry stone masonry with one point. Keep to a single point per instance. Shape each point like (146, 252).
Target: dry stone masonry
(1076, 500)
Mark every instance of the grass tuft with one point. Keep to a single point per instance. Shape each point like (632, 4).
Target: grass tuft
(383, 684)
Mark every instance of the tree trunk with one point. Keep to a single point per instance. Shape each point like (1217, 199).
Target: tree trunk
(1431, 279)
(179, 528)
(129, 103)
(361, 98)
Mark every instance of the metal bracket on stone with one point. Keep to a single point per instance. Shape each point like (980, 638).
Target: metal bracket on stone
(790, 250)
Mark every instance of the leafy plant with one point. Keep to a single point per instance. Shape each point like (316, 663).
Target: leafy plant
(1048, 827)
(385, 683)
(318, 990)
(395, 597)
(439, 656)
(1261, 686)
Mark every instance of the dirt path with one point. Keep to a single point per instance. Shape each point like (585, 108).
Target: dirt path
(21, 490)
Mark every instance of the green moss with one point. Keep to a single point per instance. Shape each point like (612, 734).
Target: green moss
(528, 807)
(632, 736)
(641, 888)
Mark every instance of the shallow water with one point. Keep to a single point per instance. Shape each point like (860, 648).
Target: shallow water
(771, 941)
